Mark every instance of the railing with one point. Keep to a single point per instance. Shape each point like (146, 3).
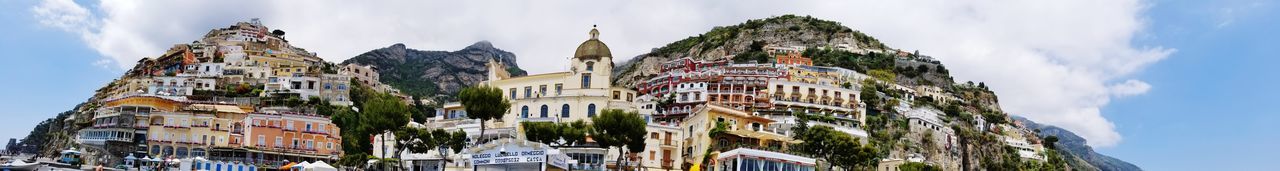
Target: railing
(538, 119)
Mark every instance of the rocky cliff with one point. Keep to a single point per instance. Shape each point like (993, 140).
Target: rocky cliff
(434, 74)
(1076, 149)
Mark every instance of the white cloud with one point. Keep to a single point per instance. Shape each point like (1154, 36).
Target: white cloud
(104, 63)
(1130, 87)
(1051, 61)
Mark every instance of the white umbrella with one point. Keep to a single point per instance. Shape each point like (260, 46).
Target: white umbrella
(301, 166)
(321, 166)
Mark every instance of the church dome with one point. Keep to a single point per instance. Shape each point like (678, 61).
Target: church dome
(592, 48)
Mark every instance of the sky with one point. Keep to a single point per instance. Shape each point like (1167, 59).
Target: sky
(1158, 83)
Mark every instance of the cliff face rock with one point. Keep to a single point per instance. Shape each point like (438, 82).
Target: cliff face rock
(1076, 149)
(434, 74)
(721, 42)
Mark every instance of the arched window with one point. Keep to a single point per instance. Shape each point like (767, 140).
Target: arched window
(591, 110)
(544, 111)
(564, 111)
(524, 111)
(591, 66)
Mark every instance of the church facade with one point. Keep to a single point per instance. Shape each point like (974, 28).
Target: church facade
(578, 94)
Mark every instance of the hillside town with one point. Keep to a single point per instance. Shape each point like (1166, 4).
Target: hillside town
(243, 98)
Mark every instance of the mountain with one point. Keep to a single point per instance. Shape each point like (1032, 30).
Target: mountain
(1077, 149)
(437, 74)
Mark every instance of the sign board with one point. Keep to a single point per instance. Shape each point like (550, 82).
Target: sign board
(529, 156)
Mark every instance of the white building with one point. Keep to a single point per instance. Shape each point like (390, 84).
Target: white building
(752, 159)
(171, 86)
(1025, 149)
(578, 94)
(662, 147)
(304, 86)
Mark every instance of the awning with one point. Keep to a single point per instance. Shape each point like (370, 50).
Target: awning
(760, 135)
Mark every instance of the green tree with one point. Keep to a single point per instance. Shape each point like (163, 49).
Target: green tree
(555, 134)
(620, 129)
(917, 166)
(385, 113)
(1051, 142)
(484, 103)
(882, 75)
(421, 112)
(838, 148)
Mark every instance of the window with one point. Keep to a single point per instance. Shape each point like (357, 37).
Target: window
(288, 125)
(295, 143)
(542, 90)
(308, 127)
(591, 110)
(513, 93)
(586, 80)
(328, 86)
(311, 144)
(524, 111)
(544, 111)
(617, 95)
(559, 87)
(591, 66)
(262, 140)
(564, 111)
(279, 141)
(528, 92)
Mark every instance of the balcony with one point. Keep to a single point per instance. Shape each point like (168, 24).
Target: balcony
(668, 164)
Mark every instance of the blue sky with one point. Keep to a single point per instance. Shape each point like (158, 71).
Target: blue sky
(1212, 108)
(1204, 106)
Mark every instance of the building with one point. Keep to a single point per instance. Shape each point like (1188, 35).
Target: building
(752, 159)
(840, 103)
(662, 147)
(572, 95)
(305, 86)
(793, 58)
(741, 129)
(195, 130)
(1025, 149)
(365, 74)
(172, 86)
(276, 135)
(121, 125)
(336, 89)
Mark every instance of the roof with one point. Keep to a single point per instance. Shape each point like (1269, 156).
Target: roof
(767, 154)
(216, 108)
(593, 48)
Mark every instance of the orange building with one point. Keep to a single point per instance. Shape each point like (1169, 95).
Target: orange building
(277, 136)
(794, 59)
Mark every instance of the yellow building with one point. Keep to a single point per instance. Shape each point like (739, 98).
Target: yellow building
(195, 129)
(741, 129)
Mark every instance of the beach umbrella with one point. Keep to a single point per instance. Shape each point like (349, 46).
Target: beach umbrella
(321, 166)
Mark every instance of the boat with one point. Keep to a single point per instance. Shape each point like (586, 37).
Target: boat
(18, 165)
